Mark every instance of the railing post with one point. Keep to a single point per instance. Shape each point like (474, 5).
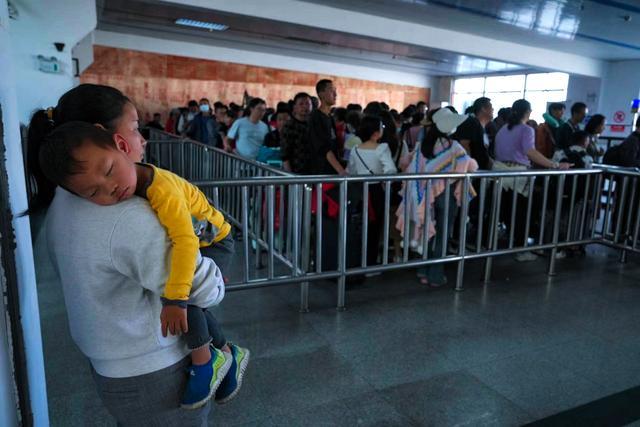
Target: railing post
(342, 245)
(462, 242)
(306, 249)
(556, 225)
(493, 229)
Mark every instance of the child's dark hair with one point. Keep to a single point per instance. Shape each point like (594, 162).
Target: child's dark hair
(578, 138)
(594, 123)
(368, 126)
(56, 153)
(88, 103)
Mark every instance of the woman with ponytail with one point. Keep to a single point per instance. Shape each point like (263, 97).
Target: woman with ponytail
(101, 105)
(112, 262)
(515, 150)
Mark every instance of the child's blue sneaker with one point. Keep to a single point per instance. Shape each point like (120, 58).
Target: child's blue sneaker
(205, 379)
(233, 381)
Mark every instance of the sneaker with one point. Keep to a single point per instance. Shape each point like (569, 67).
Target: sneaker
(526, 256)
(233, 381)
(205, 379)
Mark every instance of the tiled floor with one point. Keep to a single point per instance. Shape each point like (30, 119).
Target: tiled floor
(525, 347)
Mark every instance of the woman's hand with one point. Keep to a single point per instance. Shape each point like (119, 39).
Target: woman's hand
(174, 319)
(565, 166)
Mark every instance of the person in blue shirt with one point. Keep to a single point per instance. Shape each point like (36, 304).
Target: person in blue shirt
(203, 127)
(248, 132)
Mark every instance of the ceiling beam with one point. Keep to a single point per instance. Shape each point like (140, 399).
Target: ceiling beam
(364, 24)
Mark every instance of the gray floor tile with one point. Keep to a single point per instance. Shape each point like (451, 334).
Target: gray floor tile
(609, 364)
(247, 407)
(386, 359)
(297, 382)
(368, 409)
(537, 385)
(454, 399)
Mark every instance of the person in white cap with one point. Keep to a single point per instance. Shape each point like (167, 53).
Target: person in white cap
(437, 153)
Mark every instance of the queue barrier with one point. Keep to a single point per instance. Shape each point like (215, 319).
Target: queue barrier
(284, 222)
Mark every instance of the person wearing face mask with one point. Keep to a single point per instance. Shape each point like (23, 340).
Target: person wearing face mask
(185, 119)
(203, 126)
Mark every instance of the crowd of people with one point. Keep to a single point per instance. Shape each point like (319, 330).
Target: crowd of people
(310, 135)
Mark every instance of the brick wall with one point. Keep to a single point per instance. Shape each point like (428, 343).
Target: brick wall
(160, 82)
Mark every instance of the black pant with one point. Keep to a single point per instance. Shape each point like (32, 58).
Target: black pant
(203, 329)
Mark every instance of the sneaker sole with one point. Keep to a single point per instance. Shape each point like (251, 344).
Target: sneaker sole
(241, 369)
(223, 371)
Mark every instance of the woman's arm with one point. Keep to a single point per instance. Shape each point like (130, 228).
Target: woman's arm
(388, 167)
(536, 157)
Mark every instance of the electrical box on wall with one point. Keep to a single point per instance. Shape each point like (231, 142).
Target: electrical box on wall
(49, 65)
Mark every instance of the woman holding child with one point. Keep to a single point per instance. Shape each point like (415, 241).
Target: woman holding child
(114, 260)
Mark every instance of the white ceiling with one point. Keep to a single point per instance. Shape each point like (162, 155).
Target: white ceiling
(305, 41)
(602, 29)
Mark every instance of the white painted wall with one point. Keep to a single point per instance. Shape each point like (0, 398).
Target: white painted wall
(23, 253)
(395, 30)
(158, 43)
(40, 25)
(584, 89)
(23, 88)
(620, 85)
(83, 52)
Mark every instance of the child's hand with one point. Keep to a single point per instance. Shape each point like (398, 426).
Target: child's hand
(174, 319)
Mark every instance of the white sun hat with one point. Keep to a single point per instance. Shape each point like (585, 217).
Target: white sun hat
(447, 121)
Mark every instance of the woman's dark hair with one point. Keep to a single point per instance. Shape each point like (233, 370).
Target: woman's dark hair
(431, 136)
(372, 109)
(389, 134)
(594, 123)
(88, 103)
(56, 152)
(519, 109)
(368, 126)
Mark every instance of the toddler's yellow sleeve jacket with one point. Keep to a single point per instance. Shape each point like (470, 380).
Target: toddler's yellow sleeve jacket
(176, 202)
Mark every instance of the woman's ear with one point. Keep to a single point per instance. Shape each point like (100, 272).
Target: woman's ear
(121, 143)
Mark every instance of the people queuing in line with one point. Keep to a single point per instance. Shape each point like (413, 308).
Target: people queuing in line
(313, 135)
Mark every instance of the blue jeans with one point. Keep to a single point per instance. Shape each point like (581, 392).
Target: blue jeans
(435, 273)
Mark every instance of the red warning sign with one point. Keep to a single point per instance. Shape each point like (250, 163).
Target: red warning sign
(618, 116)
(617, 128)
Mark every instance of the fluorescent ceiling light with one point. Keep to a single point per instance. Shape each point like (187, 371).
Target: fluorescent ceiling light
(211, 26)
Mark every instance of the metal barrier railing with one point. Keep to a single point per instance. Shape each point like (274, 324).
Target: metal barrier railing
(311, 228)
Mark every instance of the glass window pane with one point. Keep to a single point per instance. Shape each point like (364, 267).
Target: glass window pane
(463, 100)
(540, 100)
(505, 84)
(547, 81)
(503, 99)
(475, 84)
